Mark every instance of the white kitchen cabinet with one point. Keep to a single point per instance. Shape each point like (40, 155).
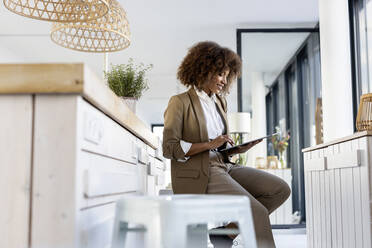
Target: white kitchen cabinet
(66, 157)
(338, 192)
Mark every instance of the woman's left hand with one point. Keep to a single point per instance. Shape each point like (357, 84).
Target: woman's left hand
(245, 148)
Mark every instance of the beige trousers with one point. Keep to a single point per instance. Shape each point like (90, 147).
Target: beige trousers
(265, 191)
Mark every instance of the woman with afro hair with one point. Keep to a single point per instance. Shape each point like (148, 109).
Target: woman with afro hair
(195, 128)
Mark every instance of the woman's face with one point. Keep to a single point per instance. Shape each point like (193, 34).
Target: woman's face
(217, 83)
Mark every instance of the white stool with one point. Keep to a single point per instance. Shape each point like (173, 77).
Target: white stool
(181, 220)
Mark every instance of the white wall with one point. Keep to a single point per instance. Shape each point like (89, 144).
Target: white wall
(336, 69)
(256, 79)
(8, 56)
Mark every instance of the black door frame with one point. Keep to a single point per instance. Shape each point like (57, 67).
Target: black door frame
(239, 33)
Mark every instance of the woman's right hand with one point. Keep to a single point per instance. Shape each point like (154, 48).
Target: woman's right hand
(219, 141)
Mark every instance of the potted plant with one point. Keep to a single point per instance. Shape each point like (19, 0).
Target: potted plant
(128, 81)
(280, 143)
(240, 158)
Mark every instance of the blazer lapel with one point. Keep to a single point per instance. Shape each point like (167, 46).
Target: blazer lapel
(222, 113)
(199, 115)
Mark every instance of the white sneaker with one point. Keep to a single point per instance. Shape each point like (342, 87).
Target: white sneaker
(238, 242)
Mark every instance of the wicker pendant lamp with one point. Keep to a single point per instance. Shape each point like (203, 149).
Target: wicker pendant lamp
(59, 10)
(109, 33)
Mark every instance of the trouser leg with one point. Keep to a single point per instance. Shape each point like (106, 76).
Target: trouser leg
(270, 190)
(220, 182)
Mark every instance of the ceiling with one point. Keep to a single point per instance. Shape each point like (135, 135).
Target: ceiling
(266, 54)
(162, 31)
(165, 15)
(269, 52)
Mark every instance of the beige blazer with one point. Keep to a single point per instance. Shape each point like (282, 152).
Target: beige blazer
(184, 120)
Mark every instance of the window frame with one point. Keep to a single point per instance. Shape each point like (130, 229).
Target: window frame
(300, 198)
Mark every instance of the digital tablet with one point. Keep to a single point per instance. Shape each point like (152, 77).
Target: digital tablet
(247, 143)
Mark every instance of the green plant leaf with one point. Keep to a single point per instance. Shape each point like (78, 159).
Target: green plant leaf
(128, 80)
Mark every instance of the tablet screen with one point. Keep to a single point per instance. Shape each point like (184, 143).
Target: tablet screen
(246, 143)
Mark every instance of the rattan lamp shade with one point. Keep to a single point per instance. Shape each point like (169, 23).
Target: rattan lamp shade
(364, 117)
(109, 33)
(59, 10)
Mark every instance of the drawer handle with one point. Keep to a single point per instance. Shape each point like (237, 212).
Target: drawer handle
(149, 169)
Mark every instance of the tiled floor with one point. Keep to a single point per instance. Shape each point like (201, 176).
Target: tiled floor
(284, 238)
(290, 238)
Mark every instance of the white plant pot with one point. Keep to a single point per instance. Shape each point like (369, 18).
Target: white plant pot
(131, 103)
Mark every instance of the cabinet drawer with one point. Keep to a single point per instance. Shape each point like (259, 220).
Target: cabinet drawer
(315, 160)
(101, 135)
(318, 164)
(159, 150)
(151, 151)
(160, 179)
(143, 157)
(101, 182)
(160, 165)
(141, 144)
(344, 159)
(102, 179)
(151, 168)
(151, 191)
(155, 167)
(96, 226)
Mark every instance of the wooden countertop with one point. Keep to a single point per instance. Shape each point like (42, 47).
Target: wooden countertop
(340, 140)
(72, 79)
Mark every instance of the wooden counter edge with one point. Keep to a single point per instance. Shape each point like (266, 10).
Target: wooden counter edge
(337, 141)
(72, 78)
(41, 78)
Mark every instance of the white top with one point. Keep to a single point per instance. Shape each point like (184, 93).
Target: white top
(213, 120)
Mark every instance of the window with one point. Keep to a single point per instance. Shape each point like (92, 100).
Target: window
(361, 48)
(290, 104)
(157, 129)
(269, 121)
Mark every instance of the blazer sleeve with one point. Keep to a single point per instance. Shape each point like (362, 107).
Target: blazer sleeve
(172, 134)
